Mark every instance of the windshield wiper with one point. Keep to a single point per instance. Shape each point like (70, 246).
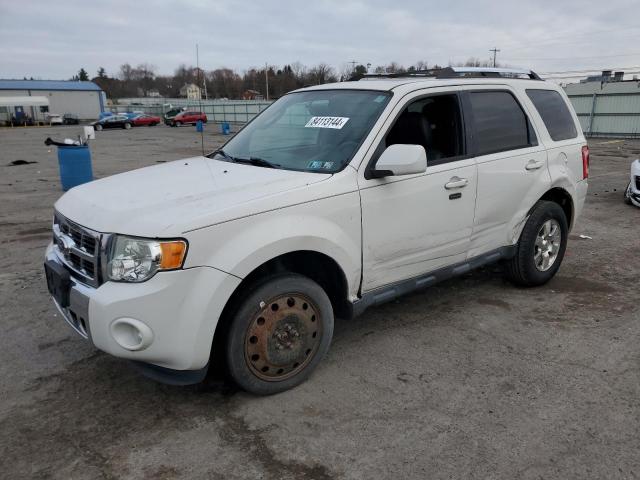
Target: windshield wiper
(258, 162)
(221, 152)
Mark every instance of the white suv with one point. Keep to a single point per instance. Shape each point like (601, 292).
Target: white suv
(335, 198)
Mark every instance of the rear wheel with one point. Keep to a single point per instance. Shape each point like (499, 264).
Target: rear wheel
(98, 127)
(627, 194)
(127, 126)
(177, 124)
(541, 248)
(279, 334)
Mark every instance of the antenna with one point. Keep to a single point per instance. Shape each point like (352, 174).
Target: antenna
(200, 98)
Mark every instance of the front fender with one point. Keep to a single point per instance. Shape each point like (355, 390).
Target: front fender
(330, 226)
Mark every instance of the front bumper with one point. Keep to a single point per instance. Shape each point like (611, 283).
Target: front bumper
(179, 308)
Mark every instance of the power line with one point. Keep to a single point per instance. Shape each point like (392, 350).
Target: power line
(571, 58)
(551, 40)
(560, 77)
(598, 69)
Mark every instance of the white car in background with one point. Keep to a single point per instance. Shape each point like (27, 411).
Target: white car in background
(336, 198)
(54, 119)
(632, 193)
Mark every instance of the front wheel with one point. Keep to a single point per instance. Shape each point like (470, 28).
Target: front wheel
(177, 124)
(98, 128)
(127, 126)
(279, 334)
(541, 248)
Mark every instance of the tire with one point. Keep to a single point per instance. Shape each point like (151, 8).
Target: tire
(98, 128)
(279, 334)
(127, 126)
(177, 124)
(627, 195)
(539, 251)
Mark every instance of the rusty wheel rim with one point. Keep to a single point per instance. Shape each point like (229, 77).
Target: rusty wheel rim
(283, 337)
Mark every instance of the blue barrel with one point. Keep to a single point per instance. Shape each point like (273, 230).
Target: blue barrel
(199, 126)
(225, 128)
(75, 165)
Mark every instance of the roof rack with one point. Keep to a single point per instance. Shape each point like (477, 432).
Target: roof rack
(461, 72)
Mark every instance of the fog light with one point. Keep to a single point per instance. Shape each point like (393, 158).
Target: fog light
(131, 334)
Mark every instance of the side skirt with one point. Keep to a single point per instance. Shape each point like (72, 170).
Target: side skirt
(389, 292)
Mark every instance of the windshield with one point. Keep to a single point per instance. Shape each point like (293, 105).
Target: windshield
(316, 131)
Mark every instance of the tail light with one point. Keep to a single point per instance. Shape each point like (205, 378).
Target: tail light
(585, 162)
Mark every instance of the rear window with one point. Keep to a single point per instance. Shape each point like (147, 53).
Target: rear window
(500, 123)
(555, 114)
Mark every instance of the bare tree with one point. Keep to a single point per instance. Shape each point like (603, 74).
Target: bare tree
(125, 72)
(321, 73)
(394, 67)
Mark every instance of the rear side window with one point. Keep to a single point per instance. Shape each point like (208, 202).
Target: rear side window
(500, 124)
(555, 114)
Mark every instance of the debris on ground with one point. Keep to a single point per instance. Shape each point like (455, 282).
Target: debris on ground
(20, 162)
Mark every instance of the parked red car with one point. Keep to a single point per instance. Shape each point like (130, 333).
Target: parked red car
(148, 120)
(188, 117)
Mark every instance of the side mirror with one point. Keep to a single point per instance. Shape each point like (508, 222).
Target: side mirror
(400, 159)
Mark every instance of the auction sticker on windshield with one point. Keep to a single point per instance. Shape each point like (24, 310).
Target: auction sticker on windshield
(327, 122)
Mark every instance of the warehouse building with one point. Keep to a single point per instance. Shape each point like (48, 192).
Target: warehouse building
(84, 99)
(607, 105)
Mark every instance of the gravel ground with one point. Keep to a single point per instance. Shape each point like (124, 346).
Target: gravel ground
(472, 378)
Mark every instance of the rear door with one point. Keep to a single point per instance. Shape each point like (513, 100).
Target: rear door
(512, 165)
(564, 138)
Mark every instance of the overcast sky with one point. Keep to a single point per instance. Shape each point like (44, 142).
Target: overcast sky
(52, 40)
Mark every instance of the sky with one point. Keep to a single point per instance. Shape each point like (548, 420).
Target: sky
(53, 40)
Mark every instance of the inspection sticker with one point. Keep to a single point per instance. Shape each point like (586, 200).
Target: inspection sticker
(327, 122)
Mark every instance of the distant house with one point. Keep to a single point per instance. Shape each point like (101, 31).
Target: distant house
(252, 95)
(154, 92)
(191, 91)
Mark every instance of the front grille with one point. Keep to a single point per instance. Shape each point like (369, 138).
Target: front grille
(637, 182)
(78, 248)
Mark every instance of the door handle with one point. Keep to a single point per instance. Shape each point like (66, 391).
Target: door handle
(533, 165)
(456, 182)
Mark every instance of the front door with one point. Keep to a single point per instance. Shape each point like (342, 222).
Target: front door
(415, 224)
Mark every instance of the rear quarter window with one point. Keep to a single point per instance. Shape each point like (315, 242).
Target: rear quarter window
(555, 114)
(499, 122)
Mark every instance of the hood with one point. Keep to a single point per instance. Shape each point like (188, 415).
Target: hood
(174, 197)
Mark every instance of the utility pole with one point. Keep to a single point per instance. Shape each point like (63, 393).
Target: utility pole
(495, 51)
(353, 65)
(200, 72)
(266, 79)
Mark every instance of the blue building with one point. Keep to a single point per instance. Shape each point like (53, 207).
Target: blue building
(84, 99)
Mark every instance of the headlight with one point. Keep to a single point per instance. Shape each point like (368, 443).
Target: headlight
(138, 259)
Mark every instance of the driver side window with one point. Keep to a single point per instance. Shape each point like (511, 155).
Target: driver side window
(435, 123)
